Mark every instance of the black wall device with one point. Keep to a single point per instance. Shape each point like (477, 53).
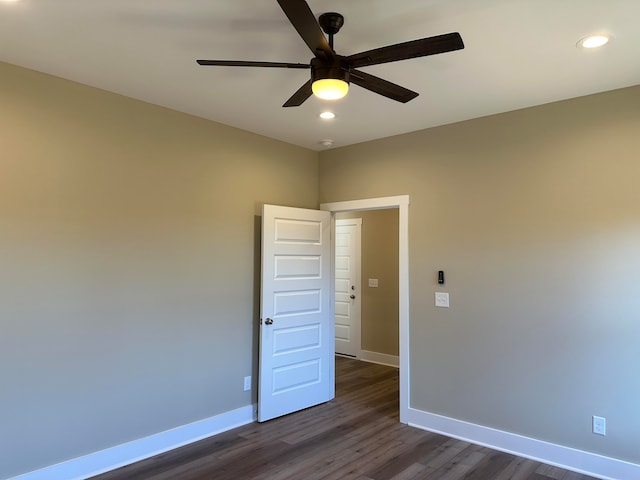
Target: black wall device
(440, 277)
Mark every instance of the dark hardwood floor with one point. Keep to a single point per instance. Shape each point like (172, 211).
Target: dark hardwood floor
(357, 436)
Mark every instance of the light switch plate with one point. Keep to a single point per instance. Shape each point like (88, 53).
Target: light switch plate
(442, 299)
(373, 282)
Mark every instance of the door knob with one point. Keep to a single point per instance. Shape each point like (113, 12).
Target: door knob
(268, 321)
(352, 297)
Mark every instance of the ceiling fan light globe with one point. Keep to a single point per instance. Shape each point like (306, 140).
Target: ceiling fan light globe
(330, 88)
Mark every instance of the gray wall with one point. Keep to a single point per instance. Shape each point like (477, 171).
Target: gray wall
(535, 217)
(128, 246)
(379, 306)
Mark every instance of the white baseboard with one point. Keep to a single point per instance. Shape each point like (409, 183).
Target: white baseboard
(565, 457)
(381, 358)
(105, 460)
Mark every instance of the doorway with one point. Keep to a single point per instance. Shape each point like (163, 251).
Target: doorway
(279, 334)
(366, 285)
(402, 204)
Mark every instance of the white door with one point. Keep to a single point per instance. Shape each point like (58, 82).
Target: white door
(296, 365)
(347, 286)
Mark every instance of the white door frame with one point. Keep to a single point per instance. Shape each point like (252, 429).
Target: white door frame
(401, 202)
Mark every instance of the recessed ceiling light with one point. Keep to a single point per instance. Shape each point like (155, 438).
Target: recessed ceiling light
(594, 41)
(327, 115)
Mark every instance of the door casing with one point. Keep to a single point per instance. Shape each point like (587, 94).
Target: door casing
(401, 202)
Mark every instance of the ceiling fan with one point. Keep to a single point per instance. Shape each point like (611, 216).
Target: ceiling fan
(331, 73)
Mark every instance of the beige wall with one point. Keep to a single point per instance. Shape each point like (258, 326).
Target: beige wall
(534, 216)
(379, 307)
(128, 281)
(129, 278)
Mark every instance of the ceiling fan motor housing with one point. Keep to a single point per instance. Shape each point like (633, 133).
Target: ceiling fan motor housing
(337, 69)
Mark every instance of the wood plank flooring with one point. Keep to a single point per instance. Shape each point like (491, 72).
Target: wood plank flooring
(357, 436)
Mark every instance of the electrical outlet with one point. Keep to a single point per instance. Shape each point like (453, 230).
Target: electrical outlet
(599, 425)
(247, 383)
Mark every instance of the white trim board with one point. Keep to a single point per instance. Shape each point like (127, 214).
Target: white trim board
(565, 457)
(401, 202)
(127, 453)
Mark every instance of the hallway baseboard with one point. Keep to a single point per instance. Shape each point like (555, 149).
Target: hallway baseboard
(380, 358)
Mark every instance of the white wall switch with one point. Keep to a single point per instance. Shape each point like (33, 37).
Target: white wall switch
(599, 425)
(442, 299)
(247, 383)
(373, 282)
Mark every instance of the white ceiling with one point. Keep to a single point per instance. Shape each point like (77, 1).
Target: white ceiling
(518, 53)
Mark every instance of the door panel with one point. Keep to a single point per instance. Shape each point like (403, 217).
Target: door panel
(296, 366)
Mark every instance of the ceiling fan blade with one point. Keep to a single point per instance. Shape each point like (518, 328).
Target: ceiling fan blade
(303, 20)
(412, 49)
(241, 63)
(382, 87)
(300, 96)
